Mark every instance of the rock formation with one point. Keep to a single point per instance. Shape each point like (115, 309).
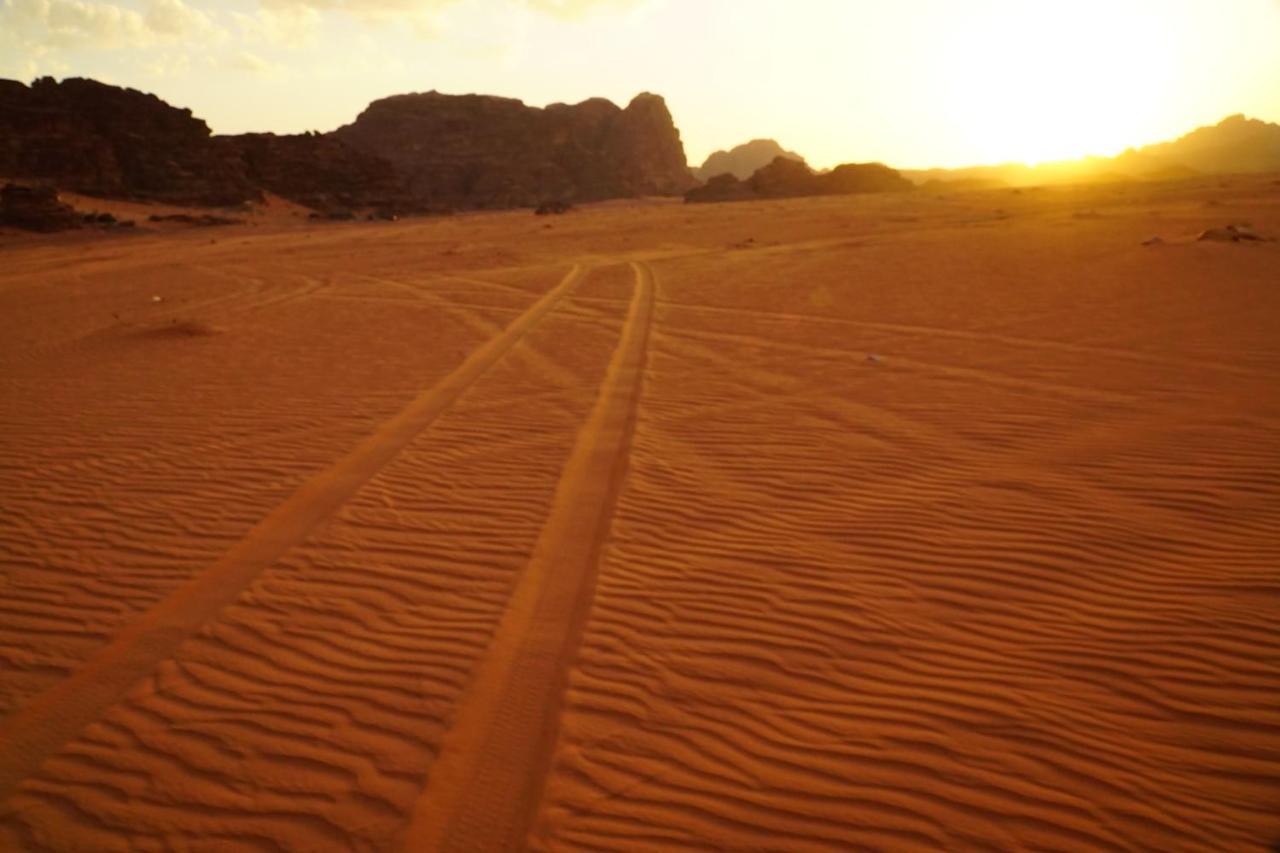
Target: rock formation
(404, 153)
(319, 171)
(102, 140)
(743, 161)
(787, 178)
(1234, 145)
(480, 151)
(36, 209)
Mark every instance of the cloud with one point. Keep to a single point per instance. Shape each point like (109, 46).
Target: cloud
(62, 24)
(175, 18)
(382, 10)
(292, 26)
(66, 23)
(252, 63)
(568, 9)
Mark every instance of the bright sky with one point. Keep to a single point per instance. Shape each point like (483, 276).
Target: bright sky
(913, 83)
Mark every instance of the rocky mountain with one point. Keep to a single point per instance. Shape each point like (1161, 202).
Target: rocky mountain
(1235, 145)
(408, 152)
(319, 171)
(787, 178)
(743, 161)
(102, 140)
(481, 151)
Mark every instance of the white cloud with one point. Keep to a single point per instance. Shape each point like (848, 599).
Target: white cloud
(252, 63)
(67, 23)
(64, 24)
(293, 26)
(175, 18)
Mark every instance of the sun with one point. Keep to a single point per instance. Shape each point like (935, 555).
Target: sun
(1058, 81)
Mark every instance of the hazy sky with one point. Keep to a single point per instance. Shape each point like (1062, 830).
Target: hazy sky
(909, 82)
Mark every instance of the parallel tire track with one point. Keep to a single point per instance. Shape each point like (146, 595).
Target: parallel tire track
(35, 732)
(484, 788)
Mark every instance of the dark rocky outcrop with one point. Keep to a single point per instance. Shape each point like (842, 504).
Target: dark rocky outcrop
(404, 153)
(721, 188)
(548, 208)
(743, 161)
(318, 171)
(786, 178)
(455, 151)
(36, 209)
(88, 137)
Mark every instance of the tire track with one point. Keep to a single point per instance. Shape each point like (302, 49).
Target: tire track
(29, 736)
(484, 789)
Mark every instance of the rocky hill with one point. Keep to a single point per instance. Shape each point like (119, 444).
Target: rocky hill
(743, 161)
(481, 151)
(1235, 145)
(408, 152)
(319, 171)
(102, 140)
(787, 178)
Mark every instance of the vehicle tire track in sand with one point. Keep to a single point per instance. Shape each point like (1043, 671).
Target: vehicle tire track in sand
(35, 732)
(484, 788)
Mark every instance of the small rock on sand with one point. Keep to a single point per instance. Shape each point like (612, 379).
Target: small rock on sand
(1229, 234)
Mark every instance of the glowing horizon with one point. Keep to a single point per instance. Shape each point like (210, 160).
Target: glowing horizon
(922, 84)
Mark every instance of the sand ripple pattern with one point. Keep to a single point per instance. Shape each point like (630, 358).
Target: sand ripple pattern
(306, 716)
(926, 603)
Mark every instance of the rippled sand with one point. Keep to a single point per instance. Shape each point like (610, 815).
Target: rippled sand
(870, 523)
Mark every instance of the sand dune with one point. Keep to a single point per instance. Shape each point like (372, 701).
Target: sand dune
(930, 523)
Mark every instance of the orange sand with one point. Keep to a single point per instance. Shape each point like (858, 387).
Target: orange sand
(604, 532)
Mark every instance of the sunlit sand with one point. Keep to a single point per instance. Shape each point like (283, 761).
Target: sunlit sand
(931, 521)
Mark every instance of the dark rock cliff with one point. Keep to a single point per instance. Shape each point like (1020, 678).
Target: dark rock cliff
(88, 137)
(407, 152)
(481, 151)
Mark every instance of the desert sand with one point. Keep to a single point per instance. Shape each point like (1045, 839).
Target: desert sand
(891, 523)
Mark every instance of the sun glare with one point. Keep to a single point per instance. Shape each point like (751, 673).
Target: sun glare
(1053, 82)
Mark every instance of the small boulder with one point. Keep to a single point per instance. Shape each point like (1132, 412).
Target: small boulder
(36, 209)
(1229, 234)
(556, 207)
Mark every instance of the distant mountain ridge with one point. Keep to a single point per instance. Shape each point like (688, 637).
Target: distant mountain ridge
(743, 160)
(1236, 144)
(788, 178)
(407, 152)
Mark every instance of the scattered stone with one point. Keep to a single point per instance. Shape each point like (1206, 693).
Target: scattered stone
(553, 207)
(1229, 234)
(1153, 241)
(874, 359)
(205, 219)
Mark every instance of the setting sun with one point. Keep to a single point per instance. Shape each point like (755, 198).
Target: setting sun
(1041, 82)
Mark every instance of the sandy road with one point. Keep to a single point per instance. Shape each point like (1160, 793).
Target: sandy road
(37, 731)
(484, 789)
